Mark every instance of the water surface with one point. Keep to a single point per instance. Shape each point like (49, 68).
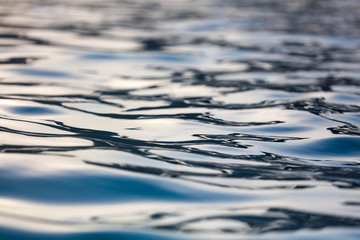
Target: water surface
(180, 119)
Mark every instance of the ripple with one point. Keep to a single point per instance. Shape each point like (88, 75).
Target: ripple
(341, 146)
(179, 120)
(80, 188)
(33, 111)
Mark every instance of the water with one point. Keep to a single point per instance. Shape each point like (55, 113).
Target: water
(180, 119)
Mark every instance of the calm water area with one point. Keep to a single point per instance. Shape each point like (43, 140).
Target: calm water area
(171, 120)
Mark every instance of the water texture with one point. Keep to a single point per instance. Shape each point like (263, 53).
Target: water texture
(202, 119)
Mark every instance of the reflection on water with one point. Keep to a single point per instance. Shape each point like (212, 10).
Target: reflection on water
(179, 119)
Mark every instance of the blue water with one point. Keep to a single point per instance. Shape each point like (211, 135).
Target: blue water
(204, 119)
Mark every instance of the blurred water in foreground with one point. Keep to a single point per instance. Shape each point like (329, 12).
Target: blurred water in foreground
(202, 119)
